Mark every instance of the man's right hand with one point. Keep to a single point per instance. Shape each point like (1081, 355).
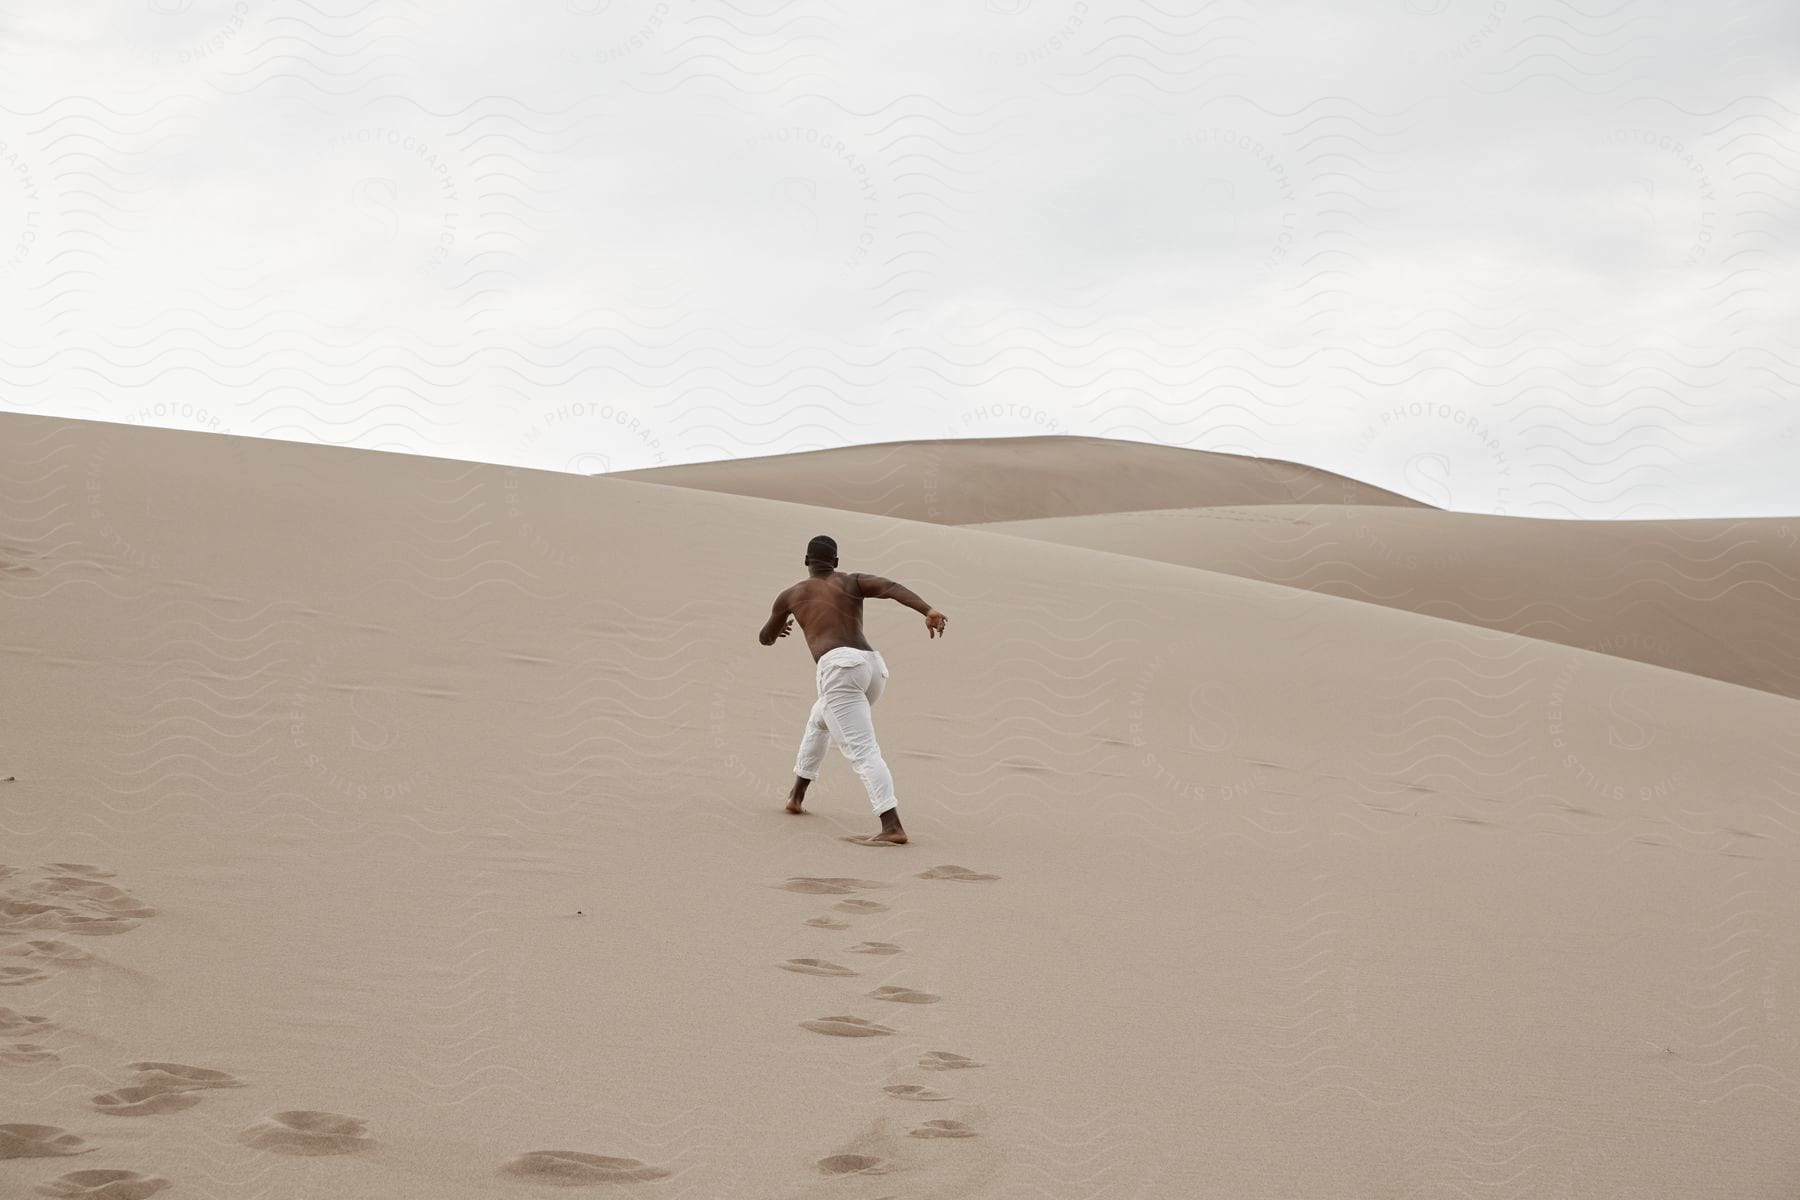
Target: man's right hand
(934, 623)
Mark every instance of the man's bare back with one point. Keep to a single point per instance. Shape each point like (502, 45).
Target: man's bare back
(828, 603)
(829, 608)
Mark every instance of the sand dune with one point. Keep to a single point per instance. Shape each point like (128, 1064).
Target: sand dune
(1715, 598)
(958, 482)
(417, 824)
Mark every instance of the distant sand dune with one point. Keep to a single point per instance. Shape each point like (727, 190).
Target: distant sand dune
(1717, 598)
(957, 482)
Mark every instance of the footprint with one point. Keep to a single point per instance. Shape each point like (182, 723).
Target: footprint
(16, 916)
(903, 995)
(19, 1054)
(161, 1087)
(828, 923)
(14, 1021)
(943, 1060)
(103, 1185)
(913, 1091)
(859, 906)
(943, 1129)
(93, 926)
(143, 1101)
(105, 896)
(180, 1077)
(39, 1141)
(111, 902)
(303, 1131)
(960, 874)
(815, 966)
(814, 886)
(849, 1164)
(65, 902)
(572, 1168)
(875, 948)
(92, 890)
(18, 976)
(50, 950)
(846, 1027)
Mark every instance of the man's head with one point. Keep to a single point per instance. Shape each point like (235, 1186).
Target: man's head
(821, 554)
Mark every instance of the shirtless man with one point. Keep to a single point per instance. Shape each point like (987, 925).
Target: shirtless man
(850, 675)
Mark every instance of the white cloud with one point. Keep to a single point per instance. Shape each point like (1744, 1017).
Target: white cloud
(1567, 238)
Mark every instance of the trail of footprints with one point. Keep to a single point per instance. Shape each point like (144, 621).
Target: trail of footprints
(39, 902)
(71, 898)
(846, 1025)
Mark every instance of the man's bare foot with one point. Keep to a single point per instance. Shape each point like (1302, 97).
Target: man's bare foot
(797, 794)
(891, 833)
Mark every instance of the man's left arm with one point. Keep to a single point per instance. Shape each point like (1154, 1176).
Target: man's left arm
(778, 625)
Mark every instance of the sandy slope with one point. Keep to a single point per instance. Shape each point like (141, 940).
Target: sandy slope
(1717, 598)
(961, 481)
(441, 799)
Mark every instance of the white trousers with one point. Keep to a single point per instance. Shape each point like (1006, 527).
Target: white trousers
(849, 681)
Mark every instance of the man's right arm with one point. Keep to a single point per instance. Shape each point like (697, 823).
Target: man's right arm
(778, 624)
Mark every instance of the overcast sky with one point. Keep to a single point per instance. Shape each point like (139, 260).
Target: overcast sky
(1520, 256)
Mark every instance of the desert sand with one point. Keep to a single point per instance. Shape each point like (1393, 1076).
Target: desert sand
(383, 826)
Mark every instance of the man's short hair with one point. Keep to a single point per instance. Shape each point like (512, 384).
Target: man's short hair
(821, 549)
